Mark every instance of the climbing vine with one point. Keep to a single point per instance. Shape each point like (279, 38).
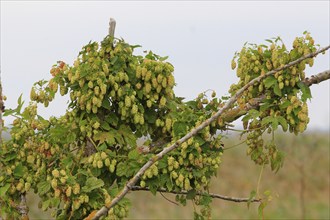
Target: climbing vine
(123, 115)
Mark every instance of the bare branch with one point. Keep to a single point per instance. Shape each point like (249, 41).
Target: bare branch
(112, 26)
(213, 195)
(193, 132)
(316, 79)
(161, 193)
(23, 208)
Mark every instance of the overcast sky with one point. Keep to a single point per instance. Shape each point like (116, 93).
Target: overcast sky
(199, 37)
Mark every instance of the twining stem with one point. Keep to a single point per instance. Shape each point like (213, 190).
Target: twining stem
(235, 145)
(259, 180)
(213, 195)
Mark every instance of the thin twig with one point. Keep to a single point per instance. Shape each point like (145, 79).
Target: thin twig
(213, 195)
(112, 26)
(259, 179)
(104, 210)
(235, 145)
(161, 193)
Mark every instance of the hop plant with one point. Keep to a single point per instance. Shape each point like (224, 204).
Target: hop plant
(80, 160)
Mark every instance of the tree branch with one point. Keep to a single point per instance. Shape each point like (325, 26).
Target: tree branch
(213, 195)
(233, 114)
(112, 26)
(23, 208)
(193, 132)
(316, 79)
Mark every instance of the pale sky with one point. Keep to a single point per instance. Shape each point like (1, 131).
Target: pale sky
(199, 37)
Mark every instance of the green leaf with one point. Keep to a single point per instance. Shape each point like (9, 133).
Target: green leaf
(43, 187)
(102, 147)
(199, 140)
(253, 194)
(67, 162)
(91, 184)
(277, 90)
(306, 92)
(95, 171)
(9, 156)
(169, 185)
(277, 163)
(283, 123)
(121, 169)
(133, 154)
(45, 205)
(285, 104)
(270, 81)
(20, 104)
(264, 106)
(153, 189)
(84, 72)
(267, 193)
(55, 202)
(150, 116)
(191, 194)
(105, 136)
(58, 132)
(267, 54)
(105, 125)
(179, 128)
(19, 171)
(261, 210)
(128, 136)
(94, 200)
(205, 200)
(163, 58)
(4, 189)
(266, 120)
(106, 104)
(70, 137)
(251, 114)
(296, 110)
(274, 123)
(197, 173)
(112, 119)
(192, 104)
(198, 216)
(114, 60)
(134, 166)
(135, 46)
(9, 112)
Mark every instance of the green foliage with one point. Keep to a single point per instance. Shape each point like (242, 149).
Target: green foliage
(285, 93)
(78, 162)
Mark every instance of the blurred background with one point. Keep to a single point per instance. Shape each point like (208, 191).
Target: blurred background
(200, 39)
